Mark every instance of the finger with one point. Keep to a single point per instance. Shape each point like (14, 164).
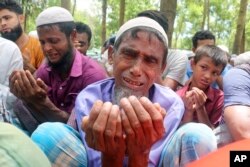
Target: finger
(42, 84)
(92, 118)
(24, 82)
(16, 89)
(131, 116)
(126, 125)
(12, 79)
(156, 117)
(161, 110)
(199, 97)
(31, 79)
(143, 130)
(85, 121)
(119, 129)
(100, 125)
(110, 130)
(19, 85)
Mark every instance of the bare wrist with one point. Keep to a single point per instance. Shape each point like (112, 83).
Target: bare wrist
(108, 160)
(138, 160)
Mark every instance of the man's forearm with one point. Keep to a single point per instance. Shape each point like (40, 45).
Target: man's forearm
(49, 111)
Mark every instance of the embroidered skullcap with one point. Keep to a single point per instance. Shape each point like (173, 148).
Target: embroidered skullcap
(141, 22)
(52, 15)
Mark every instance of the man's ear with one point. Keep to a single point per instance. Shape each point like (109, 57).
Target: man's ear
(111, 54)
(192, 63)
(21, 18)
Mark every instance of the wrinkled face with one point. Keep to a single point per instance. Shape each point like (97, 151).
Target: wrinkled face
(205, 73)
(54, 43)
(82, 38)
(10, 24)
(138, 63)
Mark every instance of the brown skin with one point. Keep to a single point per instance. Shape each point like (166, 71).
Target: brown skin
(237, 120)
(32, 91)
(219, 79)
(136, 124)
(9, 20)
(204, 73)
(169, 82)
(81, 43)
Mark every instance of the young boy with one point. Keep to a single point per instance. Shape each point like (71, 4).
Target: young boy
(203, 110)
(203, 103)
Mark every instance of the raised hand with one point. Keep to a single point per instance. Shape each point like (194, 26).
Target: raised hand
(143, 125)
(104, 133)
(26, 87)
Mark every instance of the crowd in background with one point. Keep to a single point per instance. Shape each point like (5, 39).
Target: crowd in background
(141, 104)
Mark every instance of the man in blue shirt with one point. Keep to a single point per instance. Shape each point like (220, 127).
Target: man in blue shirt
(127, 119)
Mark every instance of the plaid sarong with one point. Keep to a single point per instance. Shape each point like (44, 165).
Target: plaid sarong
(61, 143)
(189, 143)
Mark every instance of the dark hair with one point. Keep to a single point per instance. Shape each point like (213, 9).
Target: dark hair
(84, 28)
(108, 42)
(202, 35)
(66, 27)
(11, 5)
(156, 15)
(133, 33)
(217, 55)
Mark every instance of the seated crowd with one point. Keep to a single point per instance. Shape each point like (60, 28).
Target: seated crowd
(146, 105)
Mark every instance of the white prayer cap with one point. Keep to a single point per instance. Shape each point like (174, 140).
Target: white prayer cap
(141, 22)
(53, 14)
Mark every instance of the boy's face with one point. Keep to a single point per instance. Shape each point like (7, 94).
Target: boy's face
(205, 72)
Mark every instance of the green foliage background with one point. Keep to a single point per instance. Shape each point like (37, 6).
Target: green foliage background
(223, 17)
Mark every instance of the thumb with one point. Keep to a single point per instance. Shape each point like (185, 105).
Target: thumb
(85, 121)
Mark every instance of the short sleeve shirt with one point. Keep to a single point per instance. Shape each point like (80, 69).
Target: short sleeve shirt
(176, 66)
(63, 93)
(213, 105)
(236, 86)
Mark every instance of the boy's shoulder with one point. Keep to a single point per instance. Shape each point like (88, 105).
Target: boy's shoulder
(214, 93)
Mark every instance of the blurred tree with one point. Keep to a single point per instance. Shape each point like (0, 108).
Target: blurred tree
(31, 9)
(168, 7)
(66, 4)
(239, 41)
(104, 15)
(220, 18)
(122, 12)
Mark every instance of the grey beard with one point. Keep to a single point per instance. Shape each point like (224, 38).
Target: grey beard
(121, 92)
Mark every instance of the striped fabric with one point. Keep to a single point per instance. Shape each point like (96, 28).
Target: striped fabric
(188, 143)
(68, 151)
(5, 115)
